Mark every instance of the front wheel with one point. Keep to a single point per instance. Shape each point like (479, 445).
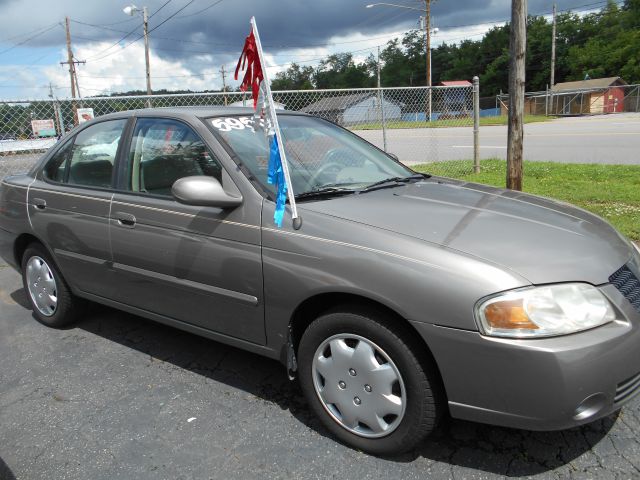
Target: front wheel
(51, 299)
(366, 380)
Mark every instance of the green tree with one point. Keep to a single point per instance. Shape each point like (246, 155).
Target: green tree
(340, 71)
(294, 78)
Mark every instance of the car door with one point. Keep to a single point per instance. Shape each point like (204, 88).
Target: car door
(69, 204)
(200, 265)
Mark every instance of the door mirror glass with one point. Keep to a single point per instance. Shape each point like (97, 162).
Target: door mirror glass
(203, 191)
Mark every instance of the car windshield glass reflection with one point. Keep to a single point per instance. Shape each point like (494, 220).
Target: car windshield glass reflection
(321, 155)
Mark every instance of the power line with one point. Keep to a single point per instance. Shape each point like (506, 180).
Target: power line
(29, 39)
(171, 16)
(127, 34)
(200, 11)
(161, 7)
(27, 33)
(116, 43)
(317, 59)
(347, 42)
(141, 36)
(134, 78)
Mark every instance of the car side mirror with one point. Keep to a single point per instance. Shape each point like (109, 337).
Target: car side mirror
(203, 191)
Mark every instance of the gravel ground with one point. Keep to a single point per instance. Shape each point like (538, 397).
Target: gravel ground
(18, 163)
(117, 396)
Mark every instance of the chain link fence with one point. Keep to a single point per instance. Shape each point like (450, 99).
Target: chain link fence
(591, 101)
(414, 124)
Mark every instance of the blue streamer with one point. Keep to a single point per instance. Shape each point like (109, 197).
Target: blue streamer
(276, 177)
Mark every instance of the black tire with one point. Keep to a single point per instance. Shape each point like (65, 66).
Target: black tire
(67, 307)
(5, 472)
(424, 397)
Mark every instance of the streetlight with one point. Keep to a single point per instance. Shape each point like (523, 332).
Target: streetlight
(131, 10)
(427, 31)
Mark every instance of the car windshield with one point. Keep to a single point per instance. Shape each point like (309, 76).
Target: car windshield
(320, 154)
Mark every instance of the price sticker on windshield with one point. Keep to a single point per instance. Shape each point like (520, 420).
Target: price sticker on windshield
(226, 124)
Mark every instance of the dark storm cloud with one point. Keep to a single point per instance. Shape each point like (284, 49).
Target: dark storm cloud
(284, 24)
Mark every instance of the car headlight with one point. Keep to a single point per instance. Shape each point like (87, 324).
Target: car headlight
(545, 311)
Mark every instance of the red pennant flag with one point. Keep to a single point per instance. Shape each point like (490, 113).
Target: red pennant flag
(253, 76)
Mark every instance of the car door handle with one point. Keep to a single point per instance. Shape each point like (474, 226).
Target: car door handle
(39, 203)
(125, 219)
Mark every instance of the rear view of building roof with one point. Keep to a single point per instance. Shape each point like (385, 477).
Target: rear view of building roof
(592, 84)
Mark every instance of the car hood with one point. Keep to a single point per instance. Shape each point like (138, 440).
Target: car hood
(542, 240)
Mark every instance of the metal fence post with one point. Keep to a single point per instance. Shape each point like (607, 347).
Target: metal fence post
(476, 124)
(383, 119)
(546, 103)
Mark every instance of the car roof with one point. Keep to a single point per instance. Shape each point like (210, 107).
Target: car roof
(194, 111)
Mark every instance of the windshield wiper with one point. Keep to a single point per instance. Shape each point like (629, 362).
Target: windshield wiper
(392, 182)
(325, 192)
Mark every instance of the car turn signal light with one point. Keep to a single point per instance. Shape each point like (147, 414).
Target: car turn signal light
(508, 314)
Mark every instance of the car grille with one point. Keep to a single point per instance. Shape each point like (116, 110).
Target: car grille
(628, 284)
(627, 389)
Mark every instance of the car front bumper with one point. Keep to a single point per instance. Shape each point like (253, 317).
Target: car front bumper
(540, 384)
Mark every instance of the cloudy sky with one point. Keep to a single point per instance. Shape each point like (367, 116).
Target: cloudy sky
(192, 39)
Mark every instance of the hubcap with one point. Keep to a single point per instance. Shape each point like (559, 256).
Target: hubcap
(42, 286)
(359, 385)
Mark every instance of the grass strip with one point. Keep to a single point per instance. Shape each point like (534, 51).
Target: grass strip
(610, 191)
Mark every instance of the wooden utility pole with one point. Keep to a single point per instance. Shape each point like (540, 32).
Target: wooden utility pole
(72, 66)
(73, 76)
(381, 104)
(57, 118)
(553, 48)
(553, 63)
(145, 23)
(224, 84)
(427, 27)
(515, 136)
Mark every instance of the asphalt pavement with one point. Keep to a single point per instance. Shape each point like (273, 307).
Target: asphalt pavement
(607, 139)
(117, 396)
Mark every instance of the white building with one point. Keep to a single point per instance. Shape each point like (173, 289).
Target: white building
(354, 109)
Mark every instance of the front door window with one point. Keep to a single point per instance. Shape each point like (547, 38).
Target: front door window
(163, 151)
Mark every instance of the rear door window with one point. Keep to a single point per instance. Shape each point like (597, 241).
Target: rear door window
(93, 154)
(163, 151)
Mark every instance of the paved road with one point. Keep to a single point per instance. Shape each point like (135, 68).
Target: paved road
(598, 139)
(120, 397)
(26, 145)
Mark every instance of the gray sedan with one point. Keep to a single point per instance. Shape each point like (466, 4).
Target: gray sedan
(397, 299)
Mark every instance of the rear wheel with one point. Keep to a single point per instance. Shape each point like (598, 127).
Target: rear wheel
(368, 383)
(48, 293)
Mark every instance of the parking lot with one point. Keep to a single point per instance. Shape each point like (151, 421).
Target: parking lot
(117, 396)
